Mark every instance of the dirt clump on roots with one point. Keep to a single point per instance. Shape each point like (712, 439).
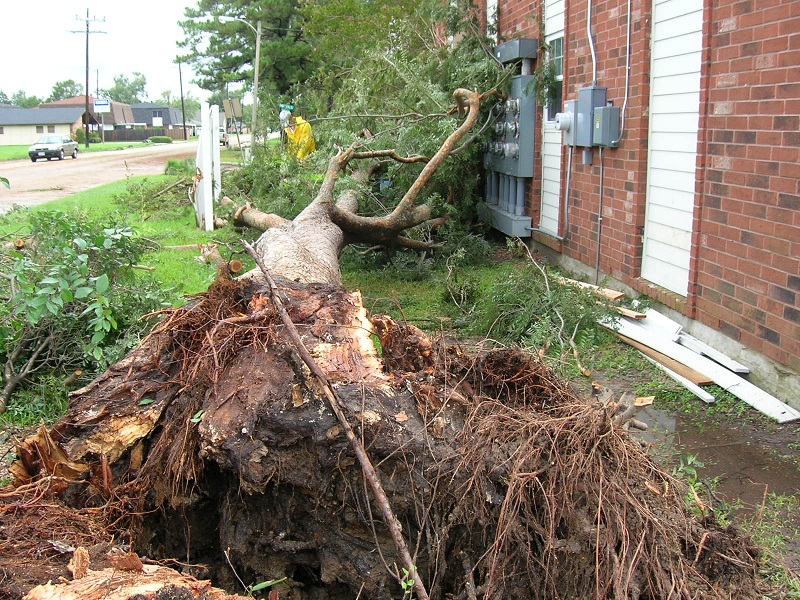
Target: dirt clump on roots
(221, 452)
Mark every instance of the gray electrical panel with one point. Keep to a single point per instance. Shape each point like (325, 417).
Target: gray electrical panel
(510, 150)
(606, 126)
(509, 153)
(518, 49)
(589, 98)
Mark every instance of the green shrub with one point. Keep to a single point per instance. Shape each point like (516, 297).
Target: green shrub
(75, 300)
(160, 139)
(180, 166)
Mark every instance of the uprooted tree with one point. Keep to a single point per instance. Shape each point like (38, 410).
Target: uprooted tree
(258, 430)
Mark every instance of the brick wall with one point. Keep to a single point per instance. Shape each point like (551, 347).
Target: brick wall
(748, 259)
(745, 267)
(624, 168)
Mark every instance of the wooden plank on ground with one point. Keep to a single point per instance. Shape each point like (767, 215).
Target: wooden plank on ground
(683, 370)
(742, 389)
(596, 290)
(702, 348)
(695, 389)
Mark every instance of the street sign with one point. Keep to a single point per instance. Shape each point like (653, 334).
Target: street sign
(102, 106)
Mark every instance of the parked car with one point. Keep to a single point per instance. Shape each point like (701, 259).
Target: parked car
(53, 146)
(223, 135)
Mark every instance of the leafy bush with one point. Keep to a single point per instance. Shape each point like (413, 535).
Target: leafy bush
(74, 301)
(145, 199)
(180, 166)
(160, 139)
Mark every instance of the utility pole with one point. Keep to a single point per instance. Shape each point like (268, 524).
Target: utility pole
(86, 97)
(183, 106)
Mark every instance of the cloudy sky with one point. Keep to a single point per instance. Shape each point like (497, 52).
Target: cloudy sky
(38, 48)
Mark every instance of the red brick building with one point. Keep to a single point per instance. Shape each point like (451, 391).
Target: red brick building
(696, 203)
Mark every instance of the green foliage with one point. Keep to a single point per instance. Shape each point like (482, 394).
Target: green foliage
(44, 399)
(407, 583)
(178, 166)
(160, 139)
(68, 88)
(221, 53)
(530, 307)
(141, 197)
(263, 585)
(275, 182)
(73, 298)
(21, 99)
(127, 91)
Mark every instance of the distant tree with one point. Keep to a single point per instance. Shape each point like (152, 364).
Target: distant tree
(65, 89)
(127, 91)
(225, 52)
(191, 103)
(4, 99)
(19, 98)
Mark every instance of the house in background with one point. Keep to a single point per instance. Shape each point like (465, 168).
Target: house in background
(157, 115)
(120, 115)
(681, 177)
(23, 126)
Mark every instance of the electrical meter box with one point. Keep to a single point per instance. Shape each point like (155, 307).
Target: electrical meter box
(510, 149)
(606, 126)
(589, 98)
(567, 122)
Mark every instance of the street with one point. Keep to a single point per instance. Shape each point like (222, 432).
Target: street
(35, 183)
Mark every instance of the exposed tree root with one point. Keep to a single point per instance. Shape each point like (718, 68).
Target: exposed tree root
(505, 484)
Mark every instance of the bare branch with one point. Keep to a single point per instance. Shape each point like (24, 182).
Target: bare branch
(406, 214)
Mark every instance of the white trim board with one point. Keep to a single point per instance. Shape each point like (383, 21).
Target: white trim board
(742, 389)
(695, 389)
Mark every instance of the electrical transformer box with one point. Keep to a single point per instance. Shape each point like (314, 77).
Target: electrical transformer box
(510, 150)
(606, 126)
(589, 98)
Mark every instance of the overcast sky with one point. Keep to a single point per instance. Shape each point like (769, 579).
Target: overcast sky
(38, 48)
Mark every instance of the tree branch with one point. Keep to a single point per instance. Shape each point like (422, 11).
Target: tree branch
(385, 229)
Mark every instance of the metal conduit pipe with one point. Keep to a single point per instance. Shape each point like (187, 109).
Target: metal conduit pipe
(519, 207)
(627, 76)
(599, 222)
(591, 41)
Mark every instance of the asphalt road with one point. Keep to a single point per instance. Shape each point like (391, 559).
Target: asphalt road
(35, 183)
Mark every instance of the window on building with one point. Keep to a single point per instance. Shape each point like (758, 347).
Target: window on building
(2, 131)
(51, 129)
(40, 129)
(556, 58)
(157, 113)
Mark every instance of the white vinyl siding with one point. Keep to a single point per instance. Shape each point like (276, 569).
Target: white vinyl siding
(551, 138)
(672, 155)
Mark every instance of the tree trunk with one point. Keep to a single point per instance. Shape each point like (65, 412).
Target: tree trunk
(503, 484)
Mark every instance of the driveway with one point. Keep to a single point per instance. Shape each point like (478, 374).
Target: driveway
(35, 183)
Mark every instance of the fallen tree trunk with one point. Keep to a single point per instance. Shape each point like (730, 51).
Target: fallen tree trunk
(502, 482)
